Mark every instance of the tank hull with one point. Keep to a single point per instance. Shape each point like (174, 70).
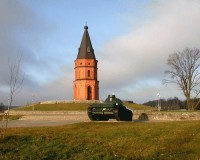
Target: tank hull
(104, 112)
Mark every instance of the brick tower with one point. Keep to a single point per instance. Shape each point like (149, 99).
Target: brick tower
(86, 85)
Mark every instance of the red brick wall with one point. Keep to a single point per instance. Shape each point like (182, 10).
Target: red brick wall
(85, 76)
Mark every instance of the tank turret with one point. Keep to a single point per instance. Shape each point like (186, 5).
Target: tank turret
(112, 108)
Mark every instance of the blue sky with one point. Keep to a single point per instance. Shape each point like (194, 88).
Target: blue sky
(131, 38)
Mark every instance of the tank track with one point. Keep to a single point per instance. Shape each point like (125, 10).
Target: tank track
(122, 114)
(96, 117)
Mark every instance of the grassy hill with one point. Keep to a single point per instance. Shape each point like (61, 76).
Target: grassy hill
(56, 107)
(166, 141)
(138, 106)
(73, 107)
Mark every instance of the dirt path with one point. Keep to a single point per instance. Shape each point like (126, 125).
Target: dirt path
(49, 119)
(36, 123)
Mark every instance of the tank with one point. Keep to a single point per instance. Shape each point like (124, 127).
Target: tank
(112, 108)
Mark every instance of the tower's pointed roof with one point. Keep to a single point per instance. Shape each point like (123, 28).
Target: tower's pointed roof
(86, 50)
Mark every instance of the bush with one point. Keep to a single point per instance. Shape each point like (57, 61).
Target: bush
(1, 106)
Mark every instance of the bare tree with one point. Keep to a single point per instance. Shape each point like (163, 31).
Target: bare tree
(15, 85)
(15, 80)
(184, 72)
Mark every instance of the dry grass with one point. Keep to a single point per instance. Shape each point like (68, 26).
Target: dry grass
(74, 107)
(56, 107)
(11, 117)
(166, 141)
(139, 106)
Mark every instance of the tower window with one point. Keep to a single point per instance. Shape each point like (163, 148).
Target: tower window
(89, 93)
(88, 73)
(88, 49)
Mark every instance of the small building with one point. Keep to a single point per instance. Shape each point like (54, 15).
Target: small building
(86, 85)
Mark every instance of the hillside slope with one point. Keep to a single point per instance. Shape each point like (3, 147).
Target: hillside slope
(73, 107)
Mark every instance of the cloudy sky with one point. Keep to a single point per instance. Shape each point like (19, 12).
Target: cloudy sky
(131, 38)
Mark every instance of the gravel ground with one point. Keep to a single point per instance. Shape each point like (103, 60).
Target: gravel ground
(53, 119)
(35, 123)
(48, 120)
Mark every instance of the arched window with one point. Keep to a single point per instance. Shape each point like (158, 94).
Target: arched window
(89, 93)
(88, 49)
(88, 73)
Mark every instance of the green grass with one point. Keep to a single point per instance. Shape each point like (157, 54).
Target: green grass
(11, 117)
(138, 141)
(56, 107)
(138, 106)
(73, 107)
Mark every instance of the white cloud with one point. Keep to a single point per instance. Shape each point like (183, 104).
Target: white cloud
(132, 65)
(141, 55)
(59, 89)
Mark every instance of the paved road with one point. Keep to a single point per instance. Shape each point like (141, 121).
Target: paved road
(51, 119)
(34, 123)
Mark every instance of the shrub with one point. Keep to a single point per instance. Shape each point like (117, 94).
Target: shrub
(1, 106)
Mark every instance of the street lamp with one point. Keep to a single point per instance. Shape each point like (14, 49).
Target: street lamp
(8, 104)
(159, 105)
(33, 102)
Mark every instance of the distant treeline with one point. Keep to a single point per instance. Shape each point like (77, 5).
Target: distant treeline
(170, 104)
(3, 107)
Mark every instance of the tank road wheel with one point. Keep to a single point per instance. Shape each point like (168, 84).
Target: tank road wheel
(103, 118)
(94, 117)
(90, 115)
(116, 114)
(97, 118)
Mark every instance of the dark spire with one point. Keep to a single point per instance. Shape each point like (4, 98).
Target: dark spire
(86, 50)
